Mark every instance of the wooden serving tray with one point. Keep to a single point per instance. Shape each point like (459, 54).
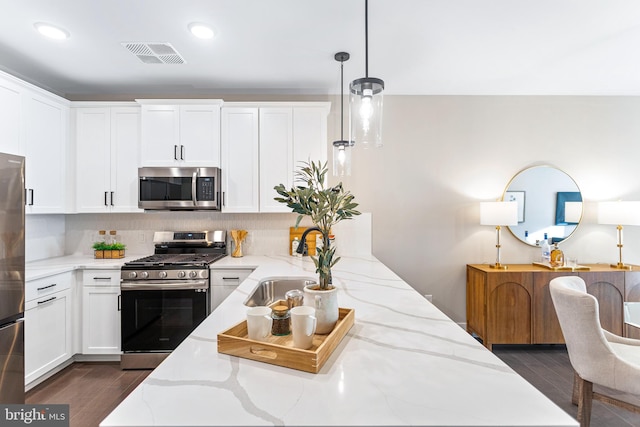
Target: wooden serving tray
(279, 350)
(563, 268)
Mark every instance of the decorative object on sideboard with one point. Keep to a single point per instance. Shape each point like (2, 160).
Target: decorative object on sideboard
(342, 148)
(498, 214)
(619, 213)
(326, 206)
(366, 100)
(238, 237)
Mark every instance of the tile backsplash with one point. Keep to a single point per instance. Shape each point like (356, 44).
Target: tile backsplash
(268, 233)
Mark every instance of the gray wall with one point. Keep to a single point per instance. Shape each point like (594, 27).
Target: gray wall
(445, 154)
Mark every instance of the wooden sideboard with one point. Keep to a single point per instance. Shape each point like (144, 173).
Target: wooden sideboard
(514, 306)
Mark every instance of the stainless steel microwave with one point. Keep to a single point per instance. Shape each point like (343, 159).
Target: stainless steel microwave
(179, 188)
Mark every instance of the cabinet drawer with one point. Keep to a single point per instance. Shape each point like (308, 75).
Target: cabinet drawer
(101, 277)
(44, 286)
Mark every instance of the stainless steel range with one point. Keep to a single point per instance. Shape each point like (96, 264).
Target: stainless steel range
(164, 296)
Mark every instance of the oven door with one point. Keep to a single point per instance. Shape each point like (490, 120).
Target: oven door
(156, 316)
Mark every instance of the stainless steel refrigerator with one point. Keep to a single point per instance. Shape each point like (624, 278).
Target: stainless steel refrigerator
(12, 187)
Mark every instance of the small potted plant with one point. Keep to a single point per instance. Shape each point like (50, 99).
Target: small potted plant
(326, 206)
(108, 250)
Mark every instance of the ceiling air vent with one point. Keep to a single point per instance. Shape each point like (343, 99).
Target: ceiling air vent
(154, 53)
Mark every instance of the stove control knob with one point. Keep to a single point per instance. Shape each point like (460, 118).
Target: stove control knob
(162, 274)
(144, 274)
(133, 275)
(181, 274)
(193, 274)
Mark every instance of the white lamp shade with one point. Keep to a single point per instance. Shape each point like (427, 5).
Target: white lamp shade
(499, 213)
(572, 212)
(619, 213)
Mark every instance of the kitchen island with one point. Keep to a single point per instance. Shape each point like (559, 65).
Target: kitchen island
(402, 363)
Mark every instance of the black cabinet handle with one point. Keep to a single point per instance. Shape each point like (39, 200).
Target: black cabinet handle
(47, 300)
(175, 152)
(119, 303)
(112, 198)
(105, 199)
(102, 278)
(230, 278)
(47, 287)
(31, 192)
(181, 152)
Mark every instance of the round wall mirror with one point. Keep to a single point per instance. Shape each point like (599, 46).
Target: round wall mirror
(549, 201)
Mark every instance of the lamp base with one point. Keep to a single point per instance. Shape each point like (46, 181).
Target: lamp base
(622, 266)
(498, 266)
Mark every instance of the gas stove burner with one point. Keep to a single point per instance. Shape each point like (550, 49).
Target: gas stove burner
(162, 260)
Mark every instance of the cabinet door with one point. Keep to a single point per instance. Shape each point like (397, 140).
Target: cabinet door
(608, 288)
(47, 334)
(309, 134)
(101, 320)
(93, 142)
(45, 147)
(276, 155)
(200, 135)
(125, 159)
(224, 282)
(509, 299)
(546, 327)
(160, 135)
(12, 119)
(240, 159)
(476, 302)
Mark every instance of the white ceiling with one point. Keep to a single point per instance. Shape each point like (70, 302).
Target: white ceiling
(448, 47)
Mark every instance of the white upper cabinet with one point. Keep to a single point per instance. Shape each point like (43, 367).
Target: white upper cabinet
(263, 144)
(185, 133)
(46, 126)
(310, 134)
(11, 118)
(240, 178)
(276, 155)
(107, 149)
(35, 124)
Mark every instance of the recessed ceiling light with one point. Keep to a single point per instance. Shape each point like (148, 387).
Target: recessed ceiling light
(51, 31)
(200, 30)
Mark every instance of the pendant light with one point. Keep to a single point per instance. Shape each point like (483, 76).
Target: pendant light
(366, 100)
(342, 148)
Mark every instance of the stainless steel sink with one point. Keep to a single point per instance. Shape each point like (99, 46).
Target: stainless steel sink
(273, 288)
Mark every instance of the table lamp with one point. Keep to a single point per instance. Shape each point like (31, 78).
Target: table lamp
(498, 214)
(619, 214)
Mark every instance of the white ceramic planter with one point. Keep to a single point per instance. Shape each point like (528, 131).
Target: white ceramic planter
(326, 305)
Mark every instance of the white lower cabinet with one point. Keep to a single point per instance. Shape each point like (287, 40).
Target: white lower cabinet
(48, 330)
(101, 312)
(225, 281)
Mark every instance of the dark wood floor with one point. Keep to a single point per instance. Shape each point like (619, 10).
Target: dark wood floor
(547, 368)
(92, 390)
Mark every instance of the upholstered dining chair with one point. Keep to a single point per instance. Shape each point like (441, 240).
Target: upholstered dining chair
(597, 356)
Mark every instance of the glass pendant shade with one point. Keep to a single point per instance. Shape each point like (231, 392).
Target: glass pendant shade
(342, 158)
(366, 111)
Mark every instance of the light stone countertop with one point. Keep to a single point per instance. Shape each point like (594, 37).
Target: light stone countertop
(402, 363)
(47, 267)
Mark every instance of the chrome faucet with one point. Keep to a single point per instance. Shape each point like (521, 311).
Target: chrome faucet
(302, 247)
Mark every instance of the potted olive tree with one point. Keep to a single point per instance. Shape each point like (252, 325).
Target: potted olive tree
(326, 206)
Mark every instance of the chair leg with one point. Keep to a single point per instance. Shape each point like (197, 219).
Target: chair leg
(585, 399)
(576, 383)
